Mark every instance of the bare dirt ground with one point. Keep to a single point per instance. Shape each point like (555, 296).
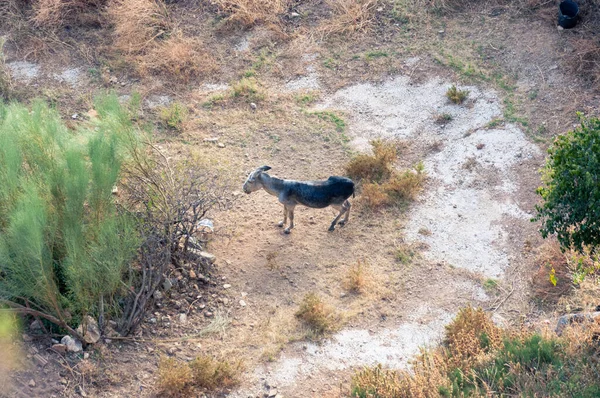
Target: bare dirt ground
(469, 225)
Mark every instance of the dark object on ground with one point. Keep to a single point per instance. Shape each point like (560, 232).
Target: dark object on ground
(568, 11)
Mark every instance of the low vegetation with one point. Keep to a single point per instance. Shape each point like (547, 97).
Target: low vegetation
(319, 317)
(174, 116)
(382, 184)
(178, 378)
(359, 278)
(478, 359)
(456, 95)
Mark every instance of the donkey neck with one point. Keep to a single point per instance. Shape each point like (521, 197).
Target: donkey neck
(272, 185)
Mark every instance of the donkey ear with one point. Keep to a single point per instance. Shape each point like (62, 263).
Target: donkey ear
(264, 168)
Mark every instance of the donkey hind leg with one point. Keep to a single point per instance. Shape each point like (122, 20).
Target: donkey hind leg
(347, 207)
(341, 210)
(285, 214)
(291, 216)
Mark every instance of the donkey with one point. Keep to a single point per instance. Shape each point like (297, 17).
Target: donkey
(333, 192)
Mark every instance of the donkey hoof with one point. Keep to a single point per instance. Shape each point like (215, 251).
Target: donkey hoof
(331, 229)
(342, 223)
(280, 224)
(287, 231)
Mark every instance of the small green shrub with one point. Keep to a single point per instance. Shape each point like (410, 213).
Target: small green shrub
(174, 116)
(248, 89)
(455, 95)
(210, 373)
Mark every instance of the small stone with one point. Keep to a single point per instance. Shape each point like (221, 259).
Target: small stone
(27, 337)
(74, 116)
(192, 274)
(157, 295)
(294, 15)
(242, 303)
(226, 286)
(208, 314)
(379, 9)
(89, 330)
(40, 360)
(253, 106)
(212, 139)
(182, 318)
(63, 381)
(167, 285)
(80, 391)
(152, 321)
(441, 31)
(225, 300)
(221, 145)
(560, 27)
(73, 345)
(31, 383)
(35, 325)
(172, 350)
(60, 348)
(86, 355)
(208, 257)
(244, 294)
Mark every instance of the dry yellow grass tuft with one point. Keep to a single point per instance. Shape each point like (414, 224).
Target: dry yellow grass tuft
(138, 23)
(178, 57)
(376, 167)
(349, 16)
(174, 377)
(359, 278)
(210, 373)
(246, 13)
(471, 334)
(55, 13)
(319, 317)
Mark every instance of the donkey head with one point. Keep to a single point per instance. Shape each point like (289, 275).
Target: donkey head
(253, 182)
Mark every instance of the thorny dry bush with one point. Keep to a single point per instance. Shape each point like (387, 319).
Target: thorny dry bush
(170, 201)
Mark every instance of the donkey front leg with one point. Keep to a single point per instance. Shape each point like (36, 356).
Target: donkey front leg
(285, 214)
(291, 216)
(347, 207)
(342, 210)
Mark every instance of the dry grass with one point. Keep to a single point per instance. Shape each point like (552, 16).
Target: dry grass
(349, 17)
(477, 359)
(248, 89)
(551, 258)
(174, 116)
(470, 335)
(174, 377)
(376, 167)
(138, 23)
(359, 278)
(6, 83)
(179, 57)
(212, 374)
(374, 195)
(319, 317)
(56, 13)
(246, 13)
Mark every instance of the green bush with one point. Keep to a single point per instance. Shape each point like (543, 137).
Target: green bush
(64, 246)
(571, 192)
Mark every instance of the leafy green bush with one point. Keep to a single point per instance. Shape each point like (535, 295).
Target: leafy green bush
(64, 246)
(571, 192)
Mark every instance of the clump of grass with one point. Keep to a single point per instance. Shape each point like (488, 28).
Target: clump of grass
(6, 84)
(138, 23)
(490, 285)
(56, 13)
(382, 184)
(248, 89)
(306, 98)
(174, 377)
(174, 116)
(359, 278)
(210, 373)
(315, 314)
(443, 118)
(424, 231)
(375, 54)
(246, 13)
(496, 122)
(179, 57)
(374, 168)
(455, 95)
(213, 100)
(469, 335)
(404, 254)
(340, 124)
(349, 17)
